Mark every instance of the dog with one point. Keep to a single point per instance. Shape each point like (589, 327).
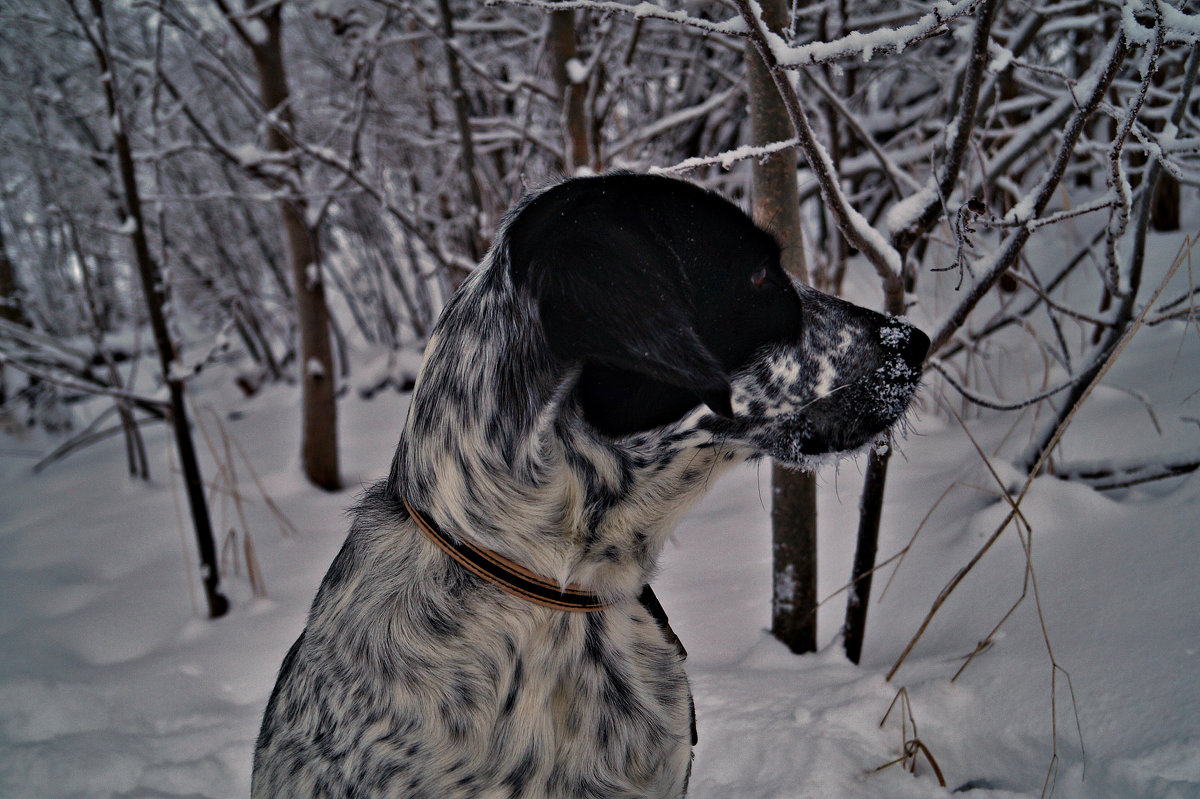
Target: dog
(486, 629)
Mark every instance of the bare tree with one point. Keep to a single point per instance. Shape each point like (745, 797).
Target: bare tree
(934, 142)
(775, 200)
(152, 288)
(10, 304)
(565, 68)
(260, 29)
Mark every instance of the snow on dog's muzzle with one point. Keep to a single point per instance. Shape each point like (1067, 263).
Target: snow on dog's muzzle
(843, 385)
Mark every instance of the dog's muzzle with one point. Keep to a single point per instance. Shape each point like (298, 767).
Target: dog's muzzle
(845, 385)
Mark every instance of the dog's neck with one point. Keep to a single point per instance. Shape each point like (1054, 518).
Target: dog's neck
(495, 452)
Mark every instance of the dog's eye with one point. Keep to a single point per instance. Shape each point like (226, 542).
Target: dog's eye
(761, 278)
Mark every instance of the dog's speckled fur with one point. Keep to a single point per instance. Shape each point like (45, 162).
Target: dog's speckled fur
(627, 338)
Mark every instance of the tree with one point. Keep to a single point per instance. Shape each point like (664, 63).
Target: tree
(775, 199)
(564, 67)
(318, 438)
(948, 136)
(153, 292)
(10, 304)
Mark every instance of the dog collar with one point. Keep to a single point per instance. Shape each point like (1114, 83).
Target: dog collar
(500, 571)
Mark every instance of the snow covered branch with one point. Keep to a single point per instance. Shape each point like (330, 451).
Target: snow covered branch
(643, 10)
(1111, 474)
(857, 230)
(865, 45)
(1033, 204)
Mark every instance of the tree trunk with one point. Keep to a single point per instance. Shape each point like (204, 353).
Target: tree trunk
(870, 515)
(154, 292)
(318, 442)
(560, 41)
(1165, 214)
(776, 206)
(10, 303)
(462, 115)
(869, 518)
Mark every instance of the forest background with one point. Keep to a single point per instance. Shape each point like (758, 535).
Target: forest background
(207, 200)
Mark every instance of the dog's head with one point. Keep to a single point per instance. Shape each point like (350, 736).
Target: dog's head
(669, 297)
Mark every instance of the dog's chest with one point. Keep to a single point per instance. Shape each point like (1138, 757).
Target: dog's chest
(594, 705)
(576, 705)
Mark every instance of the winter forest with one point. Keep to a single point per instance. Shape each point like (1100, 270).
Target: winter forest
(227, 229)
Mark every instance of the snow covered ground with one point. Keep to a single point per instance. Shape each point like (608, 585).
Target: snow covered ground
(112, 684)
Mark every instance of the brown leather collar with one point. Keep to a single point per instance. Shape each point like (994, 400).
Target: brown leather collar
(513, 578)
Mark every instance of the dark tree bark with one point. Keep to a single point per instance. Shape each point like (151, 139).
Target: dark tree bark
(560, 42)
(318, 441)
(875, 480)
(151, 280)
(870, 516)
(462, 116)
(776, 206)
(10, 305)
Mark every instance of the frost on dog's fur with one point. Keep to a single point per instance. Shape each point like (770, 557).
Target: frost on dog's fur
(626, 339)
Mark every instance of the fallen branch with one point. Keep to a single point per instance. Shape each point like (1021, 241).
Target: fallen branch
(156, 405)
(1107, 475)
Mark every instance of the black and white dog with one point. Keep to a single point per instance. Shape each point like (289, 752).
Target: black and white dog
(484, 631)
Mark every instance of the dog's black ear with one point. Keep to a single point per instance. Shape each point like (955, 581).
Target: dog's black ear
(610, 292)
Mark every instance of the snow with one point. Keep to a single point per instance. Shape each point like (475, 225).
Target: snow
(1002, 58)
(866, 44)
(256, 30)
(728, 158)
(249, 155)
(905, 213)
(577, 71)
(112, 684)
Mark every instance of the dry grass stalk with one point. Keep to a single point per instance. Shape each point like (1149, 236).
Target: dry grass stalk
(911, 744)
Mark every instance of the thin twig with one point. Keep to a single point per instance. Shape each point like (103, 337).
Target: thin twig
(1102, 76)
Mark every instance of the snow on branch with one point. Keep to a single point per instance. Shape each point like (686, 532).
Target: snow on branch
(925, 205)
(866, 45)
(853, 225)
(733, 26)
(73, 383)
(726, 159)
(1095, 84)
(1117, 181)
(1178, 25)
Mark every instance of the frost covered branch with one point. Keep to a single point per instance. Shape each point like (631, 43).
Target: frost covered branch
(73, 382)
(865, 45)
(857, 230)
(1110, 474)
(961, 128)
(642, 10)
(1117, 182)
(1126, 319)
(1097, 82)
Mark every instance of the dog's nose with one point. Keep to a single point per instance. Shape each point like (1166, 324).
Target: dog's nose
(911, 342)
